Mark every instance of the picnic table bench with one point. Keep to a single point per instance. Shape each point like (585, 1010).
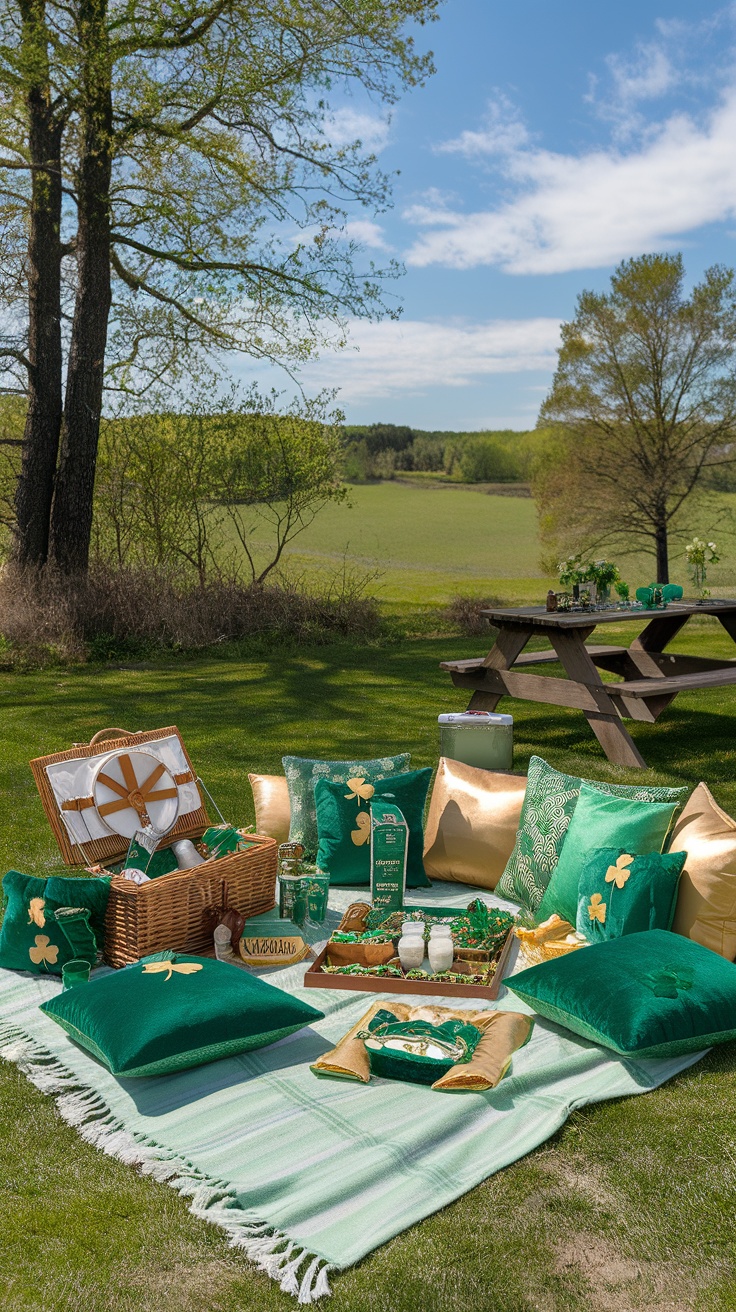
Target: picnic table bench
(651, 677)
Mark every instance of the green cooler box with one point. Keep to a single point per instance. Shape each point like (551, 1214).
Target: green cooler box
(478, 738)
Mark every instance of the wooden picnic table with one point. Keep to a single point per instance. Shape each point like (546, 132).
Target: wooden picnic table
(651, 677)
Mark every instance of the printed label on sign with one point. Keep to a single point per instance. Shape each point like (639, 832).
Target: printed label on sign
(389, 845)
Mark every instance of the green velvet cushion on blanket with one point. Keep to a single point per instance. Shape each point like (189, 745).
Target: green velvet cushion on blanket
(30, 937)
(549, 803)
(623, 894)
(173, 1011)
(301, 776)
(601, 821)
(655, 994)
(344, 825)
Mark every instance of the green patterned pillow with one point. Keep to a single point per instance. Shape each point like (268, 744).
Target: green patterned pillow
(303, 773)
(549, 803)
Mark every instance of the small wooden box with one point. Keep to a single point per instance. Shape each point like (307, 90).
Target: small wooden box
(174, 911)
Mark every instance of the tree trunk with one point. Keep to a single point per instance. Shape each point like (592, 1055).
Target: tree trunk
(660, 542)
(71, 516)
(43, 418)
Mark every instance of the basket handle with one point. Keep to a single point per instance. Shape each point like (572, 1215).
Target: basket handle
(102, 734)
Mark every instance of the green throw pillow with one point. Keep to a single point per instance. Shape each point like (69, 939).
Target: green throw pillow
(301, 776)
(655, 994)
(32, 939)
(602, 821)
(173, 1011)
(549, 803)
(343, 821)
(623, 894)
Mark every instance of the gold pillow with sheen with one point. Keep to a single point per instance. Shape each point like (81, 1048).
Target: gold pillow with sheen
(273, 812)
(471, 827)
(706, 901)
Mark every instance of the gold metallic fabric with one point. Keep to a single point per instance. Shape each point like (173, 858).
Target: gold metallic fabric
(706, 901)
(504, 1032)
(273, 812)
(471, 827)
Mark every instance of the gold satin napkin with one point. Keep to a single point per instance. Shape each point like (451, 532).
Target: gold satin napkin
(504, 1032)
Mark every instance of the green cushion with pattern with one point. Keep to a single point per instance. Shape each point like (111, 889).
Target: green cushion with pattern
(549, 803)
(302, 774)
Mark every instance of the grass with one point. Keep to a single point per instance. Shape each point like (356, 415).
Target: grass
(429, 542)
(629, 1207)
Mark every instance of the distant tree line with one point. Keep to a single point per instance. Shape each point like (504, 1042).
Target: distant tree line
(381, 451)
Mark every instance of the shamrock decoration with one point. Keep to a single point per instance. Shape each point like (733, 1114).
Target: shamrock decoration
(619, 873)
(667, 982)
(45, 952)
(363, 832)
(35, 912)
(597, 908)
(181, 968)
(360, 789)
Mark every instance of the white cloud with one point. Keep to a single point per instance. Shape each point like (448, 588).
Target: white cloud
(591, 210)
(367, 233)
(502, 132)
(346, 125)
(415, 355)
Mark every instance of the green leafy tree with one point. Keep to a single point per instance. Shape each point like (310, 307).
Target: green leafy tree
(642, 407)
(174, 184)
(170, 485)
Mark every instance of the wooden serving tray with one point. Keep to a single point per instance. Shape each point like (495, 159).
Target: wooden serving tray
(315, 978)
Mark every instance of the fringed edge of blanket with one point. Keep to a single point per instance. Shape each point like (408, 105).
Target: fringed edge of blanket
(269, 1249)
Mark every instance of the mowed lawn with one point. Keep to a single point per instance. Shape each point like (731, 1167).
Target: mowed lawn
(426, 544)
(629, 1208)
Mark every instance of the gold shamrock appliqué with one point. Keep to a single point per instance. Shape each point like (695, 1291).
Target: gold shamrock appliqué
(359, 789)
(172, 967)
(45, 952)
(363, 832)
(597, 908)
(619, 873)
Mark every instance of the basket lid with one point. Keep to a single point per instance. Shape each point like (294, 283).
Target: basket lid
(97, 794)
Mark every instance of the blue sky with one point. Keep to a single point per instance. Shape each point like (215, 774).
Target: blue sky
(554, 140)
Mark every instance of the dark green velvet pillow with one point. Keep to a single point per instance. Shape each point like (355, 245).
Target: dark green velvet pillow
(344, 828)
(602, 821)
(623, 894)
(32, 939)
(655, 994)
(173, 1011)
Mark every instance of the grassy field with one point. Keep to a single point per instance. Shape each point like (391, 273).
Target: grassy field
(429, 543)
(629, 1207)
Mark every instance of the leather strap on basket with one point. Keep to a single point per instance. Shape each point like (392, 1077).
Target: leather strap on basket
(131, 793)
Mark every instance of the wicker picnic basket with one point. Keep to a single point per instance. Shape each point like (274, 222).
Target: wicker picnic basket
(177, 910)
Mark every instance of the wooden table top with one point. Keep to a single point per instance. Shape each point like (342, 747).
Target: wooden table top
(538, 617)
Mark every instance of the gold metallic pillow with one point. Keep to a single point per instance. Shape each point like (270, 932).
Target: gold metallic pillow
(472, 823)
(706, 901)
(273, 813)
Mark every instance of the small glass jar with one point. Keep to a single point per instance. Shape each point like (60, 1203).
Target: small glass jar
(411, 951)
(441, 953)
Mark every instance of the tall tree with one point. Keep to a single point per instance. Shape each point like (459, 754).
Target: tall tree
(642, 406)
(187, 185)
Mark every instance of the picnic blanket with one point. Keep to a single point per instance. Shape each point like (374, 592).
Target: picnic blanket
(308, 1175)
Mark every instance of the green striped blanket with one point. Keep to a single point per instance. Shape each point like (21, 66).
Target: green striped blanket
(308, 1175)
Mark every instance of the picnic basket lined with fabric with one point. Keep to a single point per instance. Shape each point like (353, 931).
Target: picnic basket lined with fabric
(174, 911)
